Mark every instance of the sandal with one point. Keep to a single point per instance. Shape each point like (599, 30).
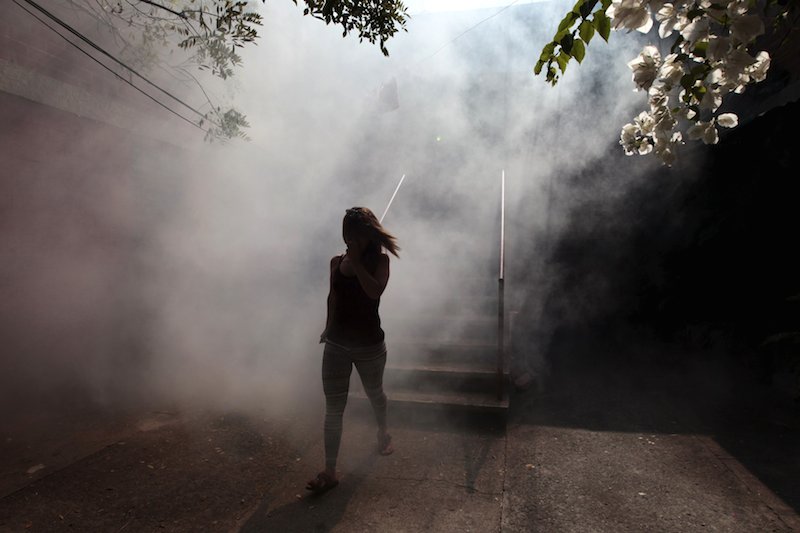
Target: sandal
(385, 444)
(322, 483)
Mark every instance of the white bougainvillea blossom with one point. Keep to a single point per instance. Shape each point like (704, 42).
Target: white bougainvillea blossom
(686, 88)
(645, 67)
(631, 15)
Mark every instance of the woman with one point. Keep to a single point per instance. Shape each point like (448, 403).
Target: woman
(353, 334)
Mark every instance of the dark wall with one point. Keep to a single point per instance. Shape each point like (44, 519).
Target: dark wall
(705, 258)
(78, 202)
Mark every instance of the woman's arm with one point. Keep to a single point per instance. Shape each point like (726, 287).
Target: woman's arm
(373, 284)
(329, 315)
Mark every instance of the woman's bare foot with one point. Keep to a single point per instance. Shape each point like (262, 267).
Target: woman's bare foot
(325, 481)
(385, 443)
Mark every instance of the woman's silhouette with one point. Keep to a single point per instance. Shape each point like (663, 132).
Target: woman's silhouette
(353, 334)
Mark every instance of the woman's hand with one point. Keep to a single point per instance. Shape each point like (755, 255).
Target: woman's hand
(355, 251)
(373, 283)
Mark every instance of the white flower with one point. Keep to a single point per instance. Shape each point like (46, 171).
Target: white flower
(667, 155)
(712, 99)
(705, 131)
(727, 29)
(655, 5)
(717, 47)
(671, 71)
(728, 120)
(738, 8)
(669, 16)
(645, 122)
(686, 112)
(715, 76)
(665, 148)
(630, 14)
(758, 70)
(637, 137)
(657, 96)
(664, 122)
(735, 68)
(747, 28)
(645, 67)
(628, 139)
(696, 30)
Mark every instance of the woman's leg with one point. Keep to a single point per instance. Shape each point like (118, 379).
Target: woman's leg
(336, 370)
(371, 373)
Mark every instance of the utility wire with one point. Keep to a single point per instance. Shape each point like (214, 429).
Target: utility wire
(85, 39)
(454, 39)
(97, 47)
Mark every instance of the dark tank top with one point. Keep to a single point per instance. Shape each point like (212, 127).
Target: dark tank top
(355, 321)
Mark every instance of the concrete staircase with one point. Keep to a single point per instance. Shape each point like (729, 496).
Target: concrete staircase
(448, 365)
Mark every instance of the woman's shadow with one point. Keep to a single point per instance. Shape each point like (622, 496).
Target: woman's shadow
(310, 512)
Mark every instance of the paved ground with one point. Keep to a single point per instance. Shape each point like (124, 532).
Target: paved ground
(597, 448)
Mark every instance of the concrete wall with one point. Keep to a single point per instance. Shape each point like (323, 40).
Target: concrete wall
(83, 181)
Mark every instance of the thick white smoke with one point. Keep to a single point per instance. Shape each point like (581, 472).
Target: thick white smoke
(224, 288)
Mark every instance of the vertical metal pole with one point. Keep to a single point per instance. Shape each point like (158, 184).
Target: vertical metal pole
(501, 348)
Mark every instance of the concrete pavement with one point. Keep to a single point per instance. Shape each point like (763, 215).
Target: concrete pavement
(598, 449)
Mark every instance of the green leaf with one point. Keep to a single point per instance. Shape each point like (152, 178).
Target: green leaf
(578, 50)
(585, 8)
(699, 92)
(547, 51)
(566, 44)
(538, 68)
(602, 24)
(568, 21)
(701, 48)
(552, 75)
(586, 31)
(562, 59)
(699, 71)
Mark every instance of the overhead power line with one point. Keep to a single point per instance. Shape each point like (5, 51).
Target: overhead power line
(98, 48)
(454, 39)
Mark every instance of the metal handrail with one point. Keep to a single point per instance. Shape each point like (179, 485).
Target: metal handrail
(501, 348)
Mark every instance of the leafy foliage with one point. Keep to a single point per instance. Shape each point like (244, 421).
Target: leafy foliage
(211, 32)
(373, 20)
(575, 31)
(711, 56)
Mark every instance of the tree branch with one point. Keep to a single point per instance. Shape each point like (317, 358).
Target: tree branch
(180, 14)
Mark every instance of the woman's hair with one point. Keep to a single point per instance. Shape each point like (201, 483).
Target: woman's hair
(363, 221)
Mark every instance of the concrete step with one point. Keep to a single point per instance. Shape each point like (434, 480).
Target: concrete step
(455, 368)
(467, 328)
(422, 352)
(470, 303)
(464, 386)
(461, 376)
(480, 402)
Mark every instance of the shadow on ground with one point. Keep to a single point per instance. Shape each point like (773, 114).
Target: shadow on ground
(309, 512)
(649, 391)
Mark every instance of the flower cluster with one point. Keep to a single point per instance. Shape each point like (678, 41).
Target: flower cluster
(709, 60)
